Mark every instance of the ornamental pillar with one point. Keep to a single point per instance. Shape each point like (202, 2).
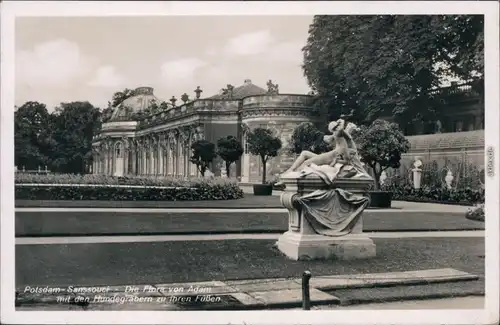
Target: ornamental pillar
(152, 162)
(180, 158)
(144, 159)
(170, 155)
(126, 154)
(133, 155)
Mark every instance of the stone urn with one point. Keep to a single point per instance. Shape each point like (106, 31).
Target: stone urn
(301, 242)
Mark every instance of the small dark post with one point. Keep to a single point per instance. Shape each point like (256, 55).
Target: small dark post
(306, 299)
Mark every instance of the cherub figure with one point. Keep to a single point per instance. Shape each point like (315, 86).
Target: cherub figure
(343, 152)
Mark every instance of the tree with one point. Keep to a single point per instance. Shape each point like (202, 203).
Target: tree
(230, 150)
(307, 137)
(33, 136)
(74, 126)
(106, 113)
(262, 143)
(380, 146)
(120, 96)
(386, 65)
(203, 153)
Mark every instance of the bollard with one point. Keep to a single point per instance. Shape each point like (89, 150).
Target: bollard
(306, 299)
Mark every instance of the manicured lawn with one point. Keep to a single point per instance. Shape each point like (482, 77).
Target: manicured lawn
(248, 201)
(190, 261)
(70, 223)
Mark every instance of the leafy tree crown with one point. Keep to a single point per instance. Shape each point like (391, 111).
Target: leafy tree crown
(262, 142)
(229, 149)
(307, 137)
(203, 153)
(382, 144)
(383, 65)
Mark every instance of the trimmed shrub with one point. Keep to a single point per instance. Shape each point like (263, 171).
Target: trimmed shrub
(100, 187)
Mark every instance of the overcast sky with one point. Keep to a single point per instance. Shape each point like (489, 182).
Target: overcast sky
(89, 58)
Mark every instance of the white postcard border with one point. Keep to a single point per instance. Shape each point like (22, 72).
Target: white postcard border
(55, 8)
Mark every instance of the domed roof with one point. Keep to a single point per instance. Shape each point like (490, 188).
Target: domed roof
(245, 90)
(469, 139)
(142, 98)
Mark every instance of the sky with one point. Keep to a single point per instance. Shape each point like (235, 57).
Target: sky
(62, 59)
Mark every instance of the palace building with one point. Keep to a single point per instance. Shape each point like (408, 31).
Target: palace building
(142, 137)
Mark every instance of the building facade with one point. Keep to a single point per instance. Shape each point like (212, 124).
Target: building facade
(142, 137)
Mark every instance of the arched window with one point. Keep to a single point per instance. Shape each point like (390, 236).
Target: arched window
(119, 150)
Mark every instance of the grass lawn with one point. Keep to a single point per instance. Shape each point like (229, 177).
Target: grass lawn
(174, 262)
(70, 223)
(247, 202)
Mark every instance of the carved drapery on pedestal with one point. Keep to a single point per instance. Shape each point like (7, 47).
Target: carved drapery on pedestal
(340, 234)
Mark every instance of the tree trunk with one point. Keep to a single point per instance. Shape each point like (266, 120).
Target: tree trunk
(264, 171)
(376, 176)
(228, 165)
(202, 171)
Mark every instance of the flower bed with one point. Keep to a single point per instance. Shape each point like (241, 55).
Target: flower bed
(102, 187)
(476, 213)
(463, 196)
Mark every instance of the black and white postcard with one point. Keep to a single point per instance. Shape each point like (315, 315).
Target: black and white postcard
(249, 162)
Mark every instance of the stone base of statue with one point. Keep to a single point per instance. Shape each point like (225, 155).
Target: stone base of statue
(303, 241)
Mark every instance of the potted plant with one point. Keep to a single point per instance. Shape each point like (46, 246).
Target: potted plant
(380, 146)
(261, 142)
(230, 150)
(203, 153)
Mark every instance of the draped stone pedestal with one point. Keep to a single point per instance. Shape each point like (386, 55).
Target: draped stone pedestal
(302, 242)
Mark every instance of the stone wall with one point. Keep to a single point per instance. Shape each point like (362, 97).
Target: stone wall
(282, 114)
(448, 150)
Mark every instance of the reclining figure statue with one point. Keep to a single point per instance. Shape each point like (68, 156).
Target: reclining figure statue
(331, 210)
(344, 154)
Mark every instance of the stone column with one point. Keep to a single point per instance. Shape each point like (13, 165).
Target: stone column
(170, 158)
(139, 158)
(126, 154)
(152, 162)
(160, 156)
(133, 156)
(180, 159)
(144, 158)
(167, 153)
(192, 167)
(106, 171)
(183, 141)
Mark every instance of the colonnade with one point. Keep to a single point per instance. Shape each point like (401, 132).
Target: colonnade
(165, 153)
